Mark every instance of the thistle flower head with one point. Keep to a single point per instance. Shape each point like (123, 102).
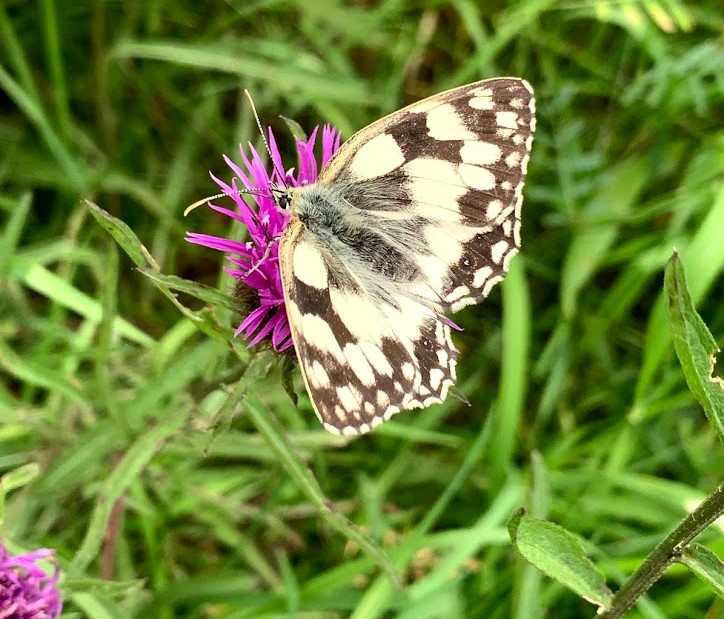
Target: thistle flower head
(26, 591)
(255, 262)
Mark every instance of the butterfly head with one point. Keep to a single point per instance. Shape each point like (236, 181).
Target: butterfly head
(286, 198)
(282, 197)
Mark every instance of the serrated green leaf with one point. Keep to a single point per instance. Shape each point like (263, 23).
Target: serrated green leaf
(704, 256)
(130, 243)
(694, 344)
(706, 565)
(123, 235)
(199, 291)
(559, 554)
(258, 367)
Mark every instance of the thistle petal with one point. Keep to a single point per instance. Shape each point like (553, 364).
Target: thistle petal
(256, 263)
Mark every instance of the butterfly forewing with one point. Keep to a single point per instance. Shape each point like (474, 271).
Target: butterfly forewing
(417, 214)
(459, 158)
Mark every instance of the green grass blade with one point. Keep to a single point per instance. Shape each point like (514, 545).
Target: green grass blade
(125, 473)
(37, 116)
(18, 56)
(600, 225)
(13, 229)
(54, 54)
(36, 277)
(97, 607)
(33, 373)
(281, 75)
(377, 597)
(17, 478)
(276, 438)
(514, 369)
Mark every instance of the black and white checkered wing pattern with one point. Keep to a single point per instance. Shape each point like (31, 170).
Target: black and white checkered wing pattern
(416, 215)
(363, 358)
(453, 164)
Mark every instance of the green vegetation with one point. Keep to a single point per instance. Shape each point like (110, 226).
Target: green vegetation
(168, 465)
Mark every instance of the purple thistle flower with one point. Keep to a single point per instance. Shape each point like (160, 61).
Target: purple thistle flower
(26, 591)
(256, 262)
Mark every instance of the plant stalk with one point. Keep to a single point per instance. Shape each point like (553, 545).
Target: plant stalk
(666, 553)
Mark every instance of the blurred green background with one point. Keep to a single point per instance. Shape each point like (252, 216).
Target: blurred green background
(579, 410)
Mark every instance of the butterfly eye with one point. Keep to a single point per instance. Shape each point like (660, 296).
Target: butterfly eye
(283, 201)
(281, 198)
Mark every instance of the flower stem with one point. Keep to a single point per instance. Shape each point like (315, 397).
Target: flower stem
(666, 553)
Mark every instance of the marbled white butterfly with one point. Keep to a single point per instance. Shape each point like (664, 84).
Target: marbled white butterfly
(416, 215)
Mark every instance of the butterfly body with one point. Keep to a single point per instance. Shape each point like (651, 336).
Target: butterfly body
(415, 216)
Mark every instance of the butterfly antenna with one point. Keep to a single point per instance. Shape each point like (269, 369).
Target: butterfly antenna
(280, 173)
(226, 194)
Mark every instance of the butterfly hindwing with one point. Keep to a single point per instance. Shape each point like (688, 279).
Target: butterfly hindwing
(362, 359)
(415, 215)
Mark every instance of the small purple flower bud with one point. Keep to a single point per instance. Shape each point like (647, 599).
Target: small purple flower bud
(26, 591)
